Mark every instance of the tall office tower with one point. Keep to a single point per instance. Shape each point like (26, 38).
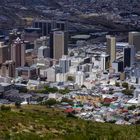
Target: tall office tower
(4, 52)
(18, 52)
(58, 44)
(8, 69)
(105, 60)
(47, 25)
(129, 56)
(43, 52)
(111, 48)
(134, 39)
(65, 63)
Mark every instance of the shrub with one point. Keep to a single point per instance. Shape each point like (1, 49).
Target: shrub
(132, 107)
(17, 104)
(117, 84)
(5, 108)
(83, 86)
(71, 115)
(132, 87)
(127, 92)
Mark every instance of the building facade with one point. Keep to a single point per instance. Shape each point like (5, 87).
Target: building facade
(58, 44)
(111, 48)
(18, 52)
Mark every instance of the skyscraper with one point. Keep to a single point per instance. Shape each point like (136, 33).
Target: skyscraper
(47, 26)
(111, 48)
(18, 52)
(79, 78)
(65, 63)
(134, 39)
(4, 53)
(129, 56)
(104, 62)
(58, 44)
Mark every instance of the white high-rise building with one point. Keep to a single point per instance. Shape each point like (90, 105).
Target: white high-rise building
(51, 74)
(61, 77)
(104, 62)
(80, 78)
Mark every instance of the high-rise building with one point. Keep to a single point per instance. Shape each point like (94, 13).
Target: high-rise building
(58, 44)
(8, 69)
(47, 26)
(134, 39)
(18, 52)
(129, 56)
(43, 52)
(79, 78)
(4, 53)
(105, 60)
(111, 48)
(65, 63)
(51, 74)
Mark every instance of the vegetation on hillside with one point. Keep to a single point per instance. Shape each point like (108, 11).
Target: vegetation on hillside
(42, 123)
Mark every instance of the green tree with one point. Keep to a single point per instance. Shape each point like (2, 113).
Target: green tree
(18, 104)
(83, 86)
(125, 85)
(132, 87)
(128, 92)
(64, 91)
(50, 102)
(117, 84)
(132, 107)
(71, 53)
(70, 78)
(50, 89)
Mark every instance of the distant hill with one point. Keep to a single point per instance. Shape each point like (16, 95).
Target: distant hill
(29, 2)
(12, 11)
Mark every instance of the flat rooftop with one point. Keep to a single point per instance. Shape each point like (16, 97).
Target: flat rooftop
(80, 37)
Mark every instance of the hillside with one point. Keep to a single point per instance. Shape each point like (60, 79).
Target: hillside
(12, 12)
(41, 123)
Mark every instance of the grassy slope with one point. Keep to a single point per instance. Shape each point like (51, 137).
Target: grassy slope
(38, 122)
